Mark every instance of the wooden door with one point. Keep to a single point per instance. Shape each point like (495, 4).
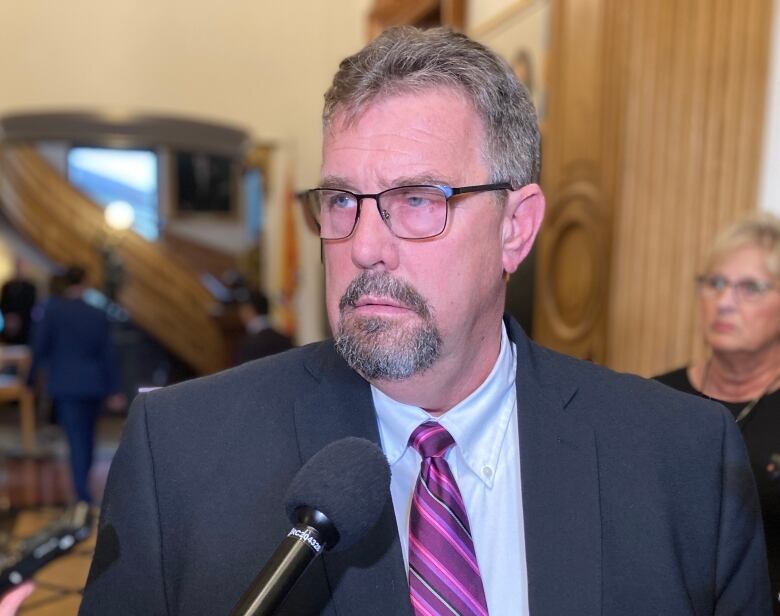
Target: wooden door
(652, 143)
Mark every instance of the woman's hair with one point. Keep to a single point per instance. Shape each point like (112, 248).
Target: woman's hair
(760, 231)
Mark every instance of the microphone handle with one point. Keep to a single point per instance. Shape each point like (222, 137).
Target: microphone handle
(298, 550)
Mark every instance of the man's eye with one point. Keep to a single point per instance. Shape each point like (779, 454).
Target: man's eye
(418, 198)
(340, 200)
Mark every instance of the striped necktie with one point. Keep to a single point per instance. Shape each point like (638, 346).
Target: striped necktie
(443, 571)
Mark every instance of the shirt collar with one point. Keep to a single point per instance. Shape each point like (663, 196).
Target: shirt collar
(478, 423)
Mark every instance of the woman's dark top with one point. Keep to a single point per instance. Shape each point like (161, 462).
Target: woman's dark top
(761, 431)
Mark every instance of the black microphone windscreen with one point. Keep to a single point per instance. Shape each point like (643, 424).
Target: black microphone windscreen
(348, 481)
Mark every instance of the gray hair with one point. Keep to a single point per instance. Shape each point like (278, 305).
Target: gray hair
(759, 231)
(406, 59)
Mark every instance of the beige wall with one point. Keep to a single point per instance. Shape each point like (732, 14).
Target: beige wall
(259, 64)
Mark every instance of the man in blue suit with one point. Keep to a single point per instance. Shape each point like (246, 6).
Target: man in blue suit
(72, 344)
(586, 492)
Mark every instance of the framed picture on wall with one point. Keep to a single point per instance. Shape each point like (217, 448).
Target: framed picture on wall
(521, 33)
(204, 183)
(420, 13)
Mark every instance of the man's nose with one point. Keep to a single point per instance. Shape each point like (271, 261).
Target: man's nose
(373, 244)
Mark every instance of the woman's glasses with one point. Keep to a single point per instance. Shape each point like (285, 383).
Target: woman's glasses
(745, 289)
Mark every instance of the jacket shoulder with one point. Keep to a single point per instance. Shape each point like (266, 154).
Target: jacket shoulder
(269, 384)
(618, 396)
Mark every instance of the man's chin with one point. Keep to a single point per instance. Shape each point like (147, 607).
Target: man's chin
(382, 349)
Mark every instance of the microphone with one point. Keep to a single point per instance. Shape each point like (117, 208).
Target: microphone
(334, 500)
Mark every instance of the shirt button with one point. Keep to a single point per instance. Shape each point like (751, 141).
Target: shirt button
(487, 471)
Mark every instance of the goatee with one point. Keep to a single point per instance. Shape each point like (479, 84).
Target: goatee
(379, 348)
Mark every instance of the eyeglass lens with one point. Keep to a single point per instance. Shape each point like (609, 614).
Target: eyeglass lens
(746, 288)
(411, 212)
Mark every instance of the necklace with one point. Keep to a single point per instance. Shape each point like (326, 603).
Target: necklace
(743, 414)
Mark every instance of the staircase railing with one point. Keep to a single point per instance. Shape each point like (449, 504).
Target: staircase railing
(163, 296)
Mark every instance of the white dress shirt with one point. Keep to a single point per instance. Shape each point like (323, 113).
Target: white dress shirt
(485, 461)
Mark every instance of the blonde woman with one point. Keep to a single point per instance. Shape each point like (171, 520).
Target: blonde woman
(739, 309)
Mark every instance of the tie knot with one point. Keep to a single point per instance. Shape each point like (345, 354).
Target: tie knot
(431, 440)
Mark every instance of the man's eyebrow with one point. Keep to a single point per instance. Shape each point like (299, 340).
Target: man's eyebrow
(336, 182)
(414, 180)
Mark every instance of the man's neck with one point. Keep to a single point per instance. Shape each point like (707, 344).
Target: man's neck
(734, 377)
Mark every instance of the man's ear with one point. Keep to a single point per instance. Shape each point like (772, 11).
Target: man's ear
(523, 217)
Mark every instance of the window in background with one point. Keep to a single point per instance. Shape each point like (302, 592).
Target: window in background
(107, 175)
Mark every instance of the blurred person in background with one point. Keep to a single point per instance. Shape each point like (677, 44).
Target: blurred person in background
(739, 308)
(17, 298)
(72, 344)
(260, 338)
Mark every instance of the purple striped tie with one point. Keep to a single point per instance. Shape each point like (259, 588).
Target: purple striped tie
(443, 572)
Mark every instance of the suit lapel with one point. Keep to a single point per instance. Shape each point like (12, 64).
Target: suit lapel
(370, 574)
(560, 487)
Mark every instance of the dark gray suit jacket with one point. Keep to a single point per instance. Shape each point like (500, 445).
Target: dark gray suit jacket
(637, 499)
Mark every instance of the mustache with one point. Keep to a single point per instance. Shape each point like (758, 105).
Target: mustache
(384, 285)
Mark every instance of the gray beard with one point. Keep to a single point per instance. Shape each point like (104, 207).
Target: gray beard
(377, 347)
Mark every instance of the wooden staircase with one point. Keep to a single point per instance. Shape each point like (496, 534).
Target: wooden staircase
(162, 295)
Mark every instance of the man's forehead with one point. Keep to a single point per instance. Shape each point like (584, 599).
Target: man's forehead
(347, 115)
(432, 136)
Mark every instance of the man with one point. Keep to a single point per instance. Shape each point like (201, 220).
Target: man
(17, 299)
(73, 346)
(568, 489)
(260, 339)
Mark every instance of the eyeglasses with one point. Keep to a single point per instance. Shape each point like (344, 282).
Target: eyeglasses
(410, 212)
(745, 289)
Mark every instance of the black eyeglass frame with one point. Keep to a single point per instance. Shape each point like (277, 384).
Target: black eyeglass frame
(448, 191)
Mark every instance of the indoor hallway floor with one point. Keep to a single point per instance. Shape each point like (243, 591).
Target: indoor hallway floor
(59, 584)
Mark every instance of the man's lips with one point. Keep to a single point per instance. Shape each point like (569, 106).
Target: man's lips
(379, 301)
(380, 305)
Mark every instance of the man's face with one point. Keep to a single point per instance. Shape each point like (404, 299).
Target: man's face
(398, 306)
